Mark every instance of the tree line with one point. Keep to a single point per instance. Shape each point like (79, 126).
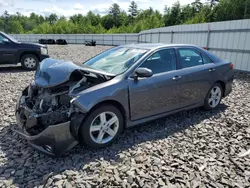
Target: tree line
(132, 21)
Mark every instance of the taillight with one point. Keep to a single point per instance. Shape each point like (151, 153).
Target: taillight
(232, 66)
(205, 48)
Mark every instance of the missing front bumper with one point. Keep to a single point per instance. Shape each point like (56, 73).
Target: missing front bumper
(54, 140)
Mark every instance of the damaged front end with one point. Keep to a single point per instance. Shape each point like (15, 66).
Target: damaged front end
(45, 112)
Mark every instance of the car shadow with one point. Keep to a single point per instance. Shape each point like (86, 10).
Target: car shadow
(24, 164)
(12, 69)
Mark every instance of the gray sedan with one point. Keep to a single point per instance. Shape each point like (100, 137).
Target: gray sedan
(91, 103)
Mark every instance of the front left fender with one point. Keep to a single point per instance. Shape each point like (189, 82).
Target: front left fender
(89, 98)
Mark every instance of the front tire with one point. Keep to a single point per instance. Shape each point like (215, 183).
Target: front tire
(101, 127)
(29, 62)
(213, 97)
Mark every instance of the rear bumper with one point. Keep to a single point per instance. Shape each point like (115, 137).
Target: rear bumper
(228, 88)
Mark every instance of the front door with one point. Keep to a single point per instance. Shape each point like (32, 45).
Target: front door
(7, 50)
(159, 93)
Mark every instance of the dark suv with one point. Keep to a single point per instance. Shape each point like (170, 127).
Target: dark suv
(13, 52)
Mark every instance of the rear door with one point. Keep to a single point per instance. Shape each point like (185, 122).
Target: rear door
(197, 73)
(7, 51)
(159, 93)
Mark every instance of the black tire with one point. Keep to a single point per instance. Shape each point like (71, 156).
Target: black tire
(51, 41)
(207, 106)
(42, 41)
(61, 42)
(84, 131)
(32, 66)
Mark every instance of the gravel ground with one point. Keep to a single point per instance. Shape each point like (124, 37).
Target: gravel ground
(189, 149)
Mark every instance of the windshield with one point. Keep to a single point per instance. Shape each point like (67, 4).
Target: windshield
(116, 60)
(10, 37)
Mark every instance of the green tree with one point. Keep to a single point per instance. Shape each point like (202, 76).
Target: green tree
(52, 19)
(197, 5)
(76, 18)
(94, 19)
(29, 24)
(115, 12)
(247, 10)
(44, 28)
(133, 9)
(212, 2)
(107, 21)
(117, 21)
(6, 16)
(173, 17)
(15, 27)
(1, 25)
(62, 18)
(41, 19)
(188, 12)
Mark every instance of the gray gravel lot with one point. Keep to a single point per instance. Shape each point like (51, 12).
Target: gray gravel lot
(189, 149)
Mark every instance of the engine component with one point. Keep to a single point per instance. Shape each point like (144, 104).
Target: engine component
(44, 106)
(54, 117)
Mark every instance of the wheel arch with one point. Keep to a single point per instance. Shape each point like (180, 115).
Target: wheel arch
(223, 85)
(114, 103)
(118, 105)
(28, 52)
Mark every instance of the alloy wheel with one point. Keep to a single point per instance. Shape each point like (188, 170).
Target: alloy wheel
(214, 96)
(104, 127)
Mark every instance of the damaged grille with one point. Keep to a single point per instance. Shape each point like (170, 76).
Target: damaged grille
(40, 107)
(44, 107)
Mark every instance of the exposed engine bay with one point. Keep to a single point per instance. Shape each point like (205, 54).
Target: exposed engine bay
(41, 107)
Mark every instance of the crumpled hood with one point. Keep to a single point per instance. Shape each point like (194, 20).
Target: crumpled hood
(52, 72)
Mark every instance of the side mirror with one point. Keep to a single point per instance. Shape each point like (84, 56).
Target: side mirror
(142, 73)
(6, 41)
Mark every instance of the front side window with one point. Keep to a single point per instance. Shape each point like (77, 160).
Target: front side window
(161, 61)
(191, 57)
(116, 60)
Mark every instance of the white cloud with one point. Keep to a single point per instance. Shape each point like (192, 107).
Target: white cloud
(100, 8)
(123, 5)
(63, 12)
(78, 6)
(6, 3)
(141, 1)
(70, 7)
(182, 2)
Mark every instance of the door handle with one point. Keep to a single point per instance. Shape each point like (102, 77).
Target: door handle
(176, 77)
(211, 70)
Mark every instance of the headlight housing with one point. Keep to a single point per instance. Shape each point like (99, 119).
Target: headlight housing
(44, 51)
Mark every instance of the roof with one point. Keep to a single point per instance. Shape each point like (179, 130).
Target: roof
(151, 46)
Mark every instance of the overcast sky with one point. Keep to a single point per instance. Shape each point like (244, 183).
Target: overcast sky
(70, 7)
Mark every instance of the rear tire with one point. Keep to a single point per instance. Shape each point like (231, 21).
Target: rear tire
(101, 127)
(29, 62)
(213, 97)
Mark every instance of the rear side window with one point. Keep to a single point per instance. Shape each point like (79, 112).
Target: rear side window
(191, 57)
(206, 60)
